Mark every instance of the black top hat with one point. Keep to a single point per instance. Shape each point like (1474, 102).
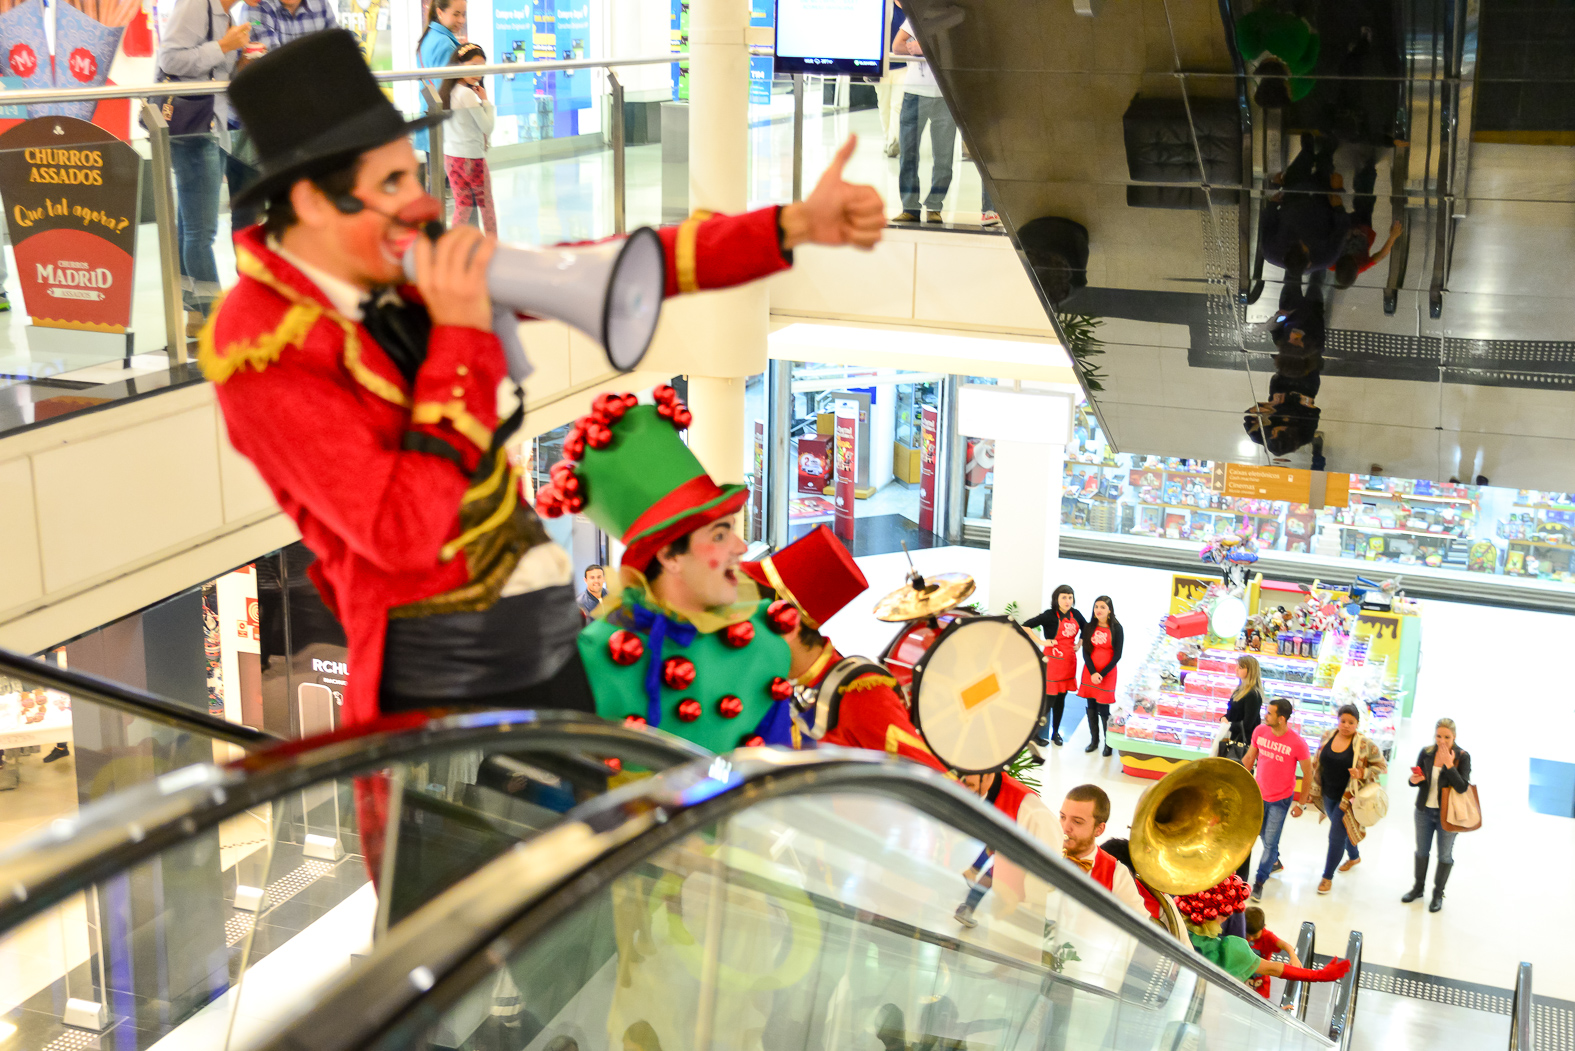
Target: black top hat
(346, 115)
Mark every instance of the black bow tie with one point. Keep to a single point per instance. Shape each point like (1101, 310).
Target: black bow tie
(400, 328)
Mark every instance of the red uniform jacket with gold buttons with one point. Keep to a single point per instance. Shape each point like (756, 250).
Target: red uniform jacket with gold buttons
(323, 413)
(871, 714)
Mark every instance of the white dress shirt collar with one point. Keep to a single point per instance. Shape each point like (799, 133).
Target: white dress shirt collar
(343, 296)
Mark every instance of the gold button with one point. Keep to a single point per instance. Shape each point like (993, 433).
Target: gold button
(459, 392)
(463, 370)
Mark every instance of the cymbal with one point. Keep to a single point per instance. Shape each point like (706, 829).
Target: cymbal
(938, 593)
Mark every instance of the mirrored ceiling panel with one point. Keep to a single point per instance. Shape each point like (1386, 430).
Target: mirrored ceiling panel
(1322, 233)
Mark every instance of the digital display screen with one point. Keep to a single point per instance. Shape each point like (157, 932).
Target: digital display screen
(831, 37)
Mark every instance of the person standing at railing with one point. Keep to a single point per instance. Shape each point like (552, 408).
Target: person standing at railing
(465, 148)
(198, 43)
(277, 22)
(922, 104)
(373, 418)
(444, 30)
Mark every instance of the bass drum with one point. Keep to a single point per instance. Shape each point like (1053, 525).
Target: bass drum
(977, 692)
(910, 644)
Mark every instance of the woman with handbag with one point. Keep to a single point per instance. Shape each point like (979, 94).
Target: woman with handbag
(1346, 763)
(1438, 766)
(1245, 710)
(1063, 626)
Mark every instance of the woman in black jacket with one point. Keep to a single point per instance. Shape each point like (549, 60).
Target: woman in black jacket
(1245, 710)
(1438, 765)
(1062, 625)
(1102, 640)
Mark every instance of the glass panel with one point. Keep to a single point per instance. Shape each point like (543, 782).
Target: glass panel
(246, 919)
(829, 922)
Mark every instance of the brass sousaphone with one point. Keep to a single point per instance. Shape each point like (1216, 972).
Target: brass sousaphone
(1195, 827)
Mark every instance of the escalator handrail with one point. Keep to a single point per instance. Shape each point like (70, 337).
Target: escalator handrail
(442, 951)
(110, 835)
(131, 701)
(1296, 992)
(1343, 1012)
(1521, 1010)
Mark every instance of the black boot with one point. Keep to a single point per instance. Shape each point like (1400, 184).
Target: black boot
(1093, 728)
(1440, 878)
(1420, 886)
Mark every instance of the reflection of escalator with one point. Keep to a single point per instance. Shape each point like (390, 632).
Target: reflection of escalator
(192, 906)
(784, 901)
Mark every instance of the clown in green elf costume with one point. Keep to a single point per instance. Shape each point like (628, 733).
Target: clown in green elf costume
(683, 641)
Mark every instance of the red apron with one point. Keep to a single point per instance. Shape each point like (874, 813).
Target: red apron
(1103, 691)
(1061, 658)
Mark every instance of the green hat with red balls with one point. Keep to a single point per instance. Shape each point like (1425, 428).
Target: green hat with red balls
(627, 468)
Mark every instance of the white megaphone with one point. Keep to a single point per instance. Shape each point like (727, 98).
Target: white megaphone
(611, 291)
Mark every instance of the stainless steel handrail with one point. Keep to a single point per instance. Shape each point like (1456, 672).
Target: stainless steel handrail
(1296, 993)
(130, 701)
(441, 952)
(1522, 1008)
(111, 835)
(1343, 1014)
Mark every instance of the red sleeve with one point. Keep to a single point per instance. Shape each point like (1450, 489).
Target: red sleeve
(307, 431)
(720, 251)
(876, 718)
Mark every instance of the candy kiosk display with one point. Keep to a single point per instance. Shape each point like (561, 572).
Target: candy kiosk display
(1358, 646)
(29, 719)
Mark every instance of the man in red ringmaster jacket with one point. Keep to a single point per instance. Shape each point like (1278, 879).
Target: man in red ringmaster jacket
(856, 703)
(368, 405)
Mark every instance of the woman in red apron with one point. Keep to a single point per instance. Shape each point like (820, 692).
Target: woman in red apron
(1062, 626)
(1101, 651)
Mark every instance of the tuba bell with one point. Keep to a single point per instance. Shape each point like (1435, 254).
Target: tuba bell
(1196, 826)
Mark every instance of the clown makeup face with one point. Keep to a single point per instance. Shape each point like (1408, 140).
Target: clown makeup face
(704, 576)
(366, 248)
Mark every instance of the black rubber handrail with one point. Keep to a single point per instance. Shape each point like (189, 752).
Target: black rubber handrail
(1296, 992)
(131, 701)
(1343, 1014)
(113, 834)
(443, 951)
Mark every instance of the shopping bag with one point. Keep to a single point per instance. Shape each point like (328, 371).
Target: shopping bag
(1459, 811)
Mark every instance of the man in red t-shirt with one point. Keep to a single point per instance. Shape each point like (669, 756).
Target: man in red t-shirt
(1274, 756)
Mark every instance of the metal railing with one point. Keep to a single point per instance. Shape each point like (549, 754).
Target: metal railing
(1297, 992)
(1521, 1011)
(1343, 1013)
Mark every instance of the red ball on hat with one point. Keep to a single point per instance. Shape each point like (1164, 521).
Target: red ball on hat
(782, 616)
(682, 417)
(625, 647)
(689, 709)
(730, 707)
(665, 394)
(678, 673)
(739, 635)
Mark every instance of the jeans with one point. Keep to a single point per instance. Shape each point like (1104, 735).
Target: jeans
(195, 159)
(1273, 824)
(1339, 839)
(1426, 825)
(917, 111)
(237, 176)
(978, 889)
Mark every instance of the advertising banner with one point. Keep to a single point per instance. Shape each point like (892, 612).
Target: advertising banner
(757, 486)
(368, 20)
(929, 426)
(761, 13)
(814, 465)
(71, 192)
(844, 441)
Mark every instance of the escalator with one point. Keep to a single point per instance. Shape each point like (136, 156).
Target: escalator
(786, 901)
(171, 909)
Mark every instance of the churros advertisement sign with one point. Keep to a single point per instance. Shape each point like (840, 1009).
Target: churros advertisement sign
(71, 193)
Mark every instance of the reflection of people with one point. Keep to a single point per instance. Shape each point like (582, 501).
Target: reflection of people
(1307, 211)
(1357, 255)
(922, 105)
(1292, 46)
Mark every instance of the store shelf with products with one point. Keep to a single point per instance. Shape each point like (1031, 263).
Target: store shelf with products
(1172, 710)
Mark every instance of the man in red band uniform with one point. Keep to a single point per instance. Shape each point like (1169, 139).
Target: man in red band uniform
(862, 709)
(369, 405)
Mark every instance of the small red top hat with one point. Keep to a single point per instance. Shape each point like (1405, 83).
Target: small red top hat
(814, 572)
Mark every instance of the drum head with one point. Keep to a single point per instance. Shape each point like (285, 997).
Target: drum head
(977, 693)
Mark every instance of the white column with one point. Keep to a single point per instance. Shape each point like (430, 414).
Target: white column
(717, 435)
(718, 105)
(1030, 429)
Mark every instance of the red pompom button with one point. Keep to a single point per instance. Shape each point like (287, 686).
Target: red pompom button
(625, 647)
(782, 616)
(688, 710)
(678, 673)
(613, 763)
(634, 720)
(730, 707)
(752, 741)
(780, 689)
(738, 635)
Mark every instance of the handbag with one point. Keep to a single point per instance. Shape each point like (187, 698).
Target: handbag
(1369, 804)
(1459, 811)
(186, 114)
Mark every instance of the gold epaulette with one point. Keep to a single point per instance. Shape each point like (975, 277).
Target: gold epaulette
(868, 682)
(260, 352)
